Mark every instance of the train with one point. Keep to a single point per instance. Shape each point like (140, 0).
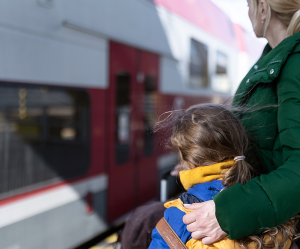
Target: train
(81, 85)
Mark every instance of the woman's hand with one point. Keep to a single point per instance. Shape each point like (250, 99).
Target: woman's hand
(203, 222)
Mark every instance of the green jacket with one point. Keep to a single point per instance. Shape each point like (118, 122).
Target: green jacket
(274, 197)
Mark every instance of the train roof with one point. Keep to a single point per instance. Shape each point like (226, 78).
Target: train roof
(205, 14)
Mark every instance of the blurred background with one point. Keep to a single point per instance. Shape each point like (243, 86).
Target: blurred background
(81, 84)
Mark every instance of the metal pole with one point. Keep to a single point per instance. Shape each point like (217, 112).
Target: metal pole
(163, 190)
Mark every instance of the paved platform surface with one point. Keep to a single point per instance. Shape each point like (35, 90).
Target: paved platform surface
(108, 243)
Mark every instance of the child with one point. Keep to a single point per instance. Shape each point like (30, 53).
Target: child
(211, 144)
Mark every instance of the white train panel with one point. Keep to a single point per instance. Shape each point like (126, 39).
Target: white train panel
(52, 218)
(27, 57)
(50, 199)
(133, 22)
(175, 72)
(57, 228)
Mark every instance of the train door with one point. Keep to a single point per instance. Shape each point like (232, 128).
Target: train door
(146, 161)
(132, 167)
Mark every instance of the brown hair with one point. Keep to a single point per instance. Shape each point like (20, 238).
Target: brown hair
(206, 134)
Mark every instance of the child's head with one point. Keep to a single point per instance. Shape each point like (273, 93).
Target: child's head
(206, 134)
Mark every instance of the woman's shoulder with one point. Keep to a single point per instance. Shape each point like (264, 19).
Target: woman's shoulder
(273, 66)
(289, 79)
(274, 61)
(288, 46)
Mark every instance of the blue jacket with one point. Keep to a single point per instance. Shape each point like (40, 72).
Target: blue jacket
(198, 193)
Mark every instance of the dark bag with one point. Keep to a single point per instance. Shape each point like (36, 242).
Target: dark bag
(139, 226)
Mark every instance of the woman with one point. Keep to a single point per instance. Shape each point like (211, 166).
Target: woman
(274, 81)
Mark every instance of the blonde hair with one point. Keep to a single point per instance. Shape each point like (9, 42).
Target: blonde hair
(206, 134)
(287, 11)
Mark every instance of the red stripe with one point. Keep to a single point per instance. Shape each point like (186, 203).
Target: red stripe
(204, 14)
(41, 190)
(240, 37)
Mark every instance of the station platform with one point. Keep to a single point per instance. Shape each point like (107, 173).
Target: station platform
(108, 243)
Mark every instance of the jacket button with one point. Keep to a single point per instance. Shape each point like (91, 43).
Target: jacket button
(255, 67)
(248, 80)
(272, 71)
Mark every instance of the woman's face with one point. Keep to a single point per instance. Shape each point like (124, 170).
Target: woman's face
(258, 26)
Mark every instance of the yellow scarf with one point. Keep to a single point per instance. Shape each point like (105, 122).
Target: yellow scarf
(202, 174)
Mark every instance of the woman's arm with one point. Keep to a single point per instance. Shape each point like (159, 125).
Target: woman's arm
(274, 198)
(270, 199)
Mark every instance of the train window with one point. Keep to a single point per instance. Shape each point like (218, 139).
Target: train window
(198, 64)
(149, 115)
(220, 82)
(122, 118)
(43, 136)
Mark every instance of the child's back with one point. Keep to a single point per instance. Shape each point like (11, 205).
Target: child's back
(211, 144)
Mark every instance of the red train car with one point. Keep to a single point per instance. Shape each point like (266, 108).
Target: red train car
(81, 86)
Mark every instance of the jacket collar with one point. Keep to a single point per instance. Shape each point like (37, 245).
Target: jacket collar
(207, 190)
(269, 65)
(203, 174)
